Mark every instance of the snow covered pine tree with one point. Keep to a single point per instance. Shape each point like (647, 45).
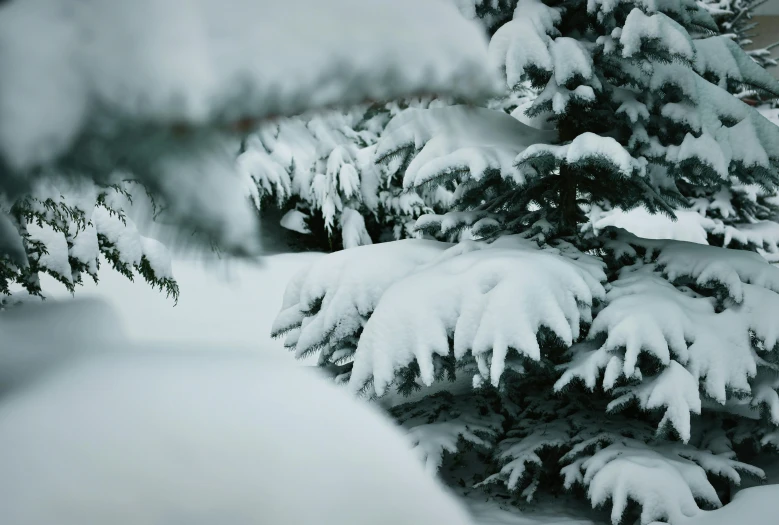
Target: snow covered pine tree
(548, 357)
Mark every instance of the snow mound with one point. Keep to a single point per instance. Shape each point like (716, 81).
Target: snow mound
(583, 147)
(212, 436)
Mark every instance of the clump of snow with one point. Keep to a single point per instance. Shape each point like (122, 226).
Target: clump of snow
(156, 254)
(55, 259)
(487, 300)
(630, 105)
(587, 146)
(666, 487)
(267, 176)
(457, 139)
(571, 59)
(331, 299)
(353, 229)
(296, 221)
(640, 27)
(763, 234)
(704, 148)
(121, 237)
(524, 42)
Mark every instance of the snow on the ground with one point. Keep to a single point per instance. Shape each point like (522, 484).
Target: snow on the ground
(753, 506)
(688, 225)
(225, 302)
(771, 114)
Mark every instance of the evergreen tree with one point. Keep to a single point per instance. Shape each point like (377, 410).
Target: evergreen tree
(640, 374)
(64, 235)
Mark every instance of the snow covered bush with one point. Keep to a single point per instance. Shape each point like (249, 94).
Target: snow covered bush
(545, 356)
(65, 232)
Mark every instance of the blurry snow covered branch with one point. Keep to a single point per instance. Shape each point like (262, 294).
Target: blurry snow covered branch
(164, 89)
(735, 19)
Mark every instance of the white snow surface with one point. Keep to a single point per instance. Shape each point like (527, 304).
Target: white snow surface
(772, 114)
(209, 435)
(222, 301)
(66, 64)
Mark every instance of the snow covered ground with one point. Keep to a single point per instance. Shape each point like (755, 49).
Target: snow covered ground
(232, 304)
(771, 114)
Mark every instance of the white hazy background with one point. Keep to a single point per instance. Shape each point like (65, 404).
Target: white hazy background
(224, 302)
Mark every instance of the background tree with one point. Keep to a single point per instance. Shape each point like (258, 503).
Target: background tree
(65, 235)
(640, 374)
